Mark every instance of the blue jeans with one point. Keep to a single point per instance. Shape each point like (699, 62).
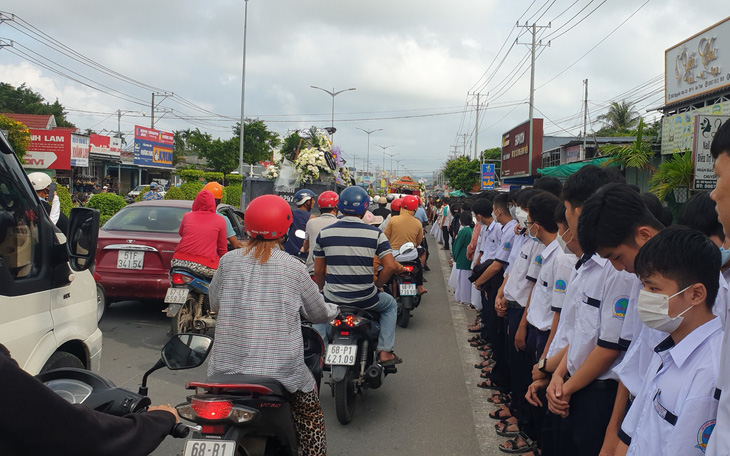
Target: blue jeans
(387, 309)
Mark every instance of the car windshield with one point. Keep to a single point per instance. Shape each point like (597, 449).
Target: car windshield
(138, 188)
(156, 219)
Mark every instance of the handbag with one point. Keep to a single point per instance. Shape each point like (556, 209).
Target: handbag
(479, 270)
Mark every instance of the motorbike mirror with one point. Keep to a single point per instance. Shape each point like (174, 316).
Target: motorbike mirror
(300, 234)
(406, 248)
(185, 351)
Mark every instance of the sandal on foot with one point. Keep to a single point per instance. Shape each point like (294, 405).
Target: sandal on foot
(476, 338)
(499, 399)
(488, 384)
(483, 364)
(514, 447)
(484, 347)
(391, 362)
(500, 414)
(486, 373)
(477, 341)
(501, 429)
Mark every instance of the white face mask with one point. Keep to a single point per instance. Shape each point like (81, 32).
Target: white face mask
(513, 211)
(654, 311)
(494, 216)
(563, 243)
(521, 216)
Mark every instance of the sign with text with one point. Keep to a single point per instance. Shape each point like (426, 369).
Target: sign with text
(488, 176)
(515, 150)
(153, 147)
(49, 149)
(698, 65)
(705, 129)
(105, 145)
(79, 151)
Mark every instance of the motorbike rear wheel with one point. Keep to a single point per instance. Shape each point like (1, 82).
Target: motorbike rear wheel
(345, 395)
(404, 314)
(183, 321)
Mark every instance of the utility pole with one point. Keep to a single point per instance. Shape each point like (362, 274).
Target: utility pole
(154, 106)
(585, 122)
(243, 98)
(464, 135)
(532, 29)
(476, 126)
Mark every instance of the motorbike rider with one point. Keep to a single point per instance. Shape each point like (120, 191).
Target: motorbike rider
(32, 403)
(395, 207)
(327, 202)
(304, 200)
(217, 190)
(403, 228)
(382, 209)
(153, 194)
(202, 237)
(343, 267)
(257, 316)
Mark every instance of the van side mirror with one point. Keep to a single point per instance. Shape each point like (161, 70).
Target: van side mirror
(83, 232)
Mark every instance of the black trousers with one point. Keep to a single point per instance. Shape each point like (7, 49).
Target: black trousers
(531, 418)
(581, 433)
(519, 373)
(445, 232)
(495, 327)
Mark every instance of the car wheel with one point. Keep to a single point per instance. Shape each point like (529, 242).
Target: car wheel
(101, 303)
(59, 360)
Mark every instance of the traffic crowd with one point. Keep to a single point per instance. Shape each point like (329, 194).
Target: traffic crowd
(600, 322)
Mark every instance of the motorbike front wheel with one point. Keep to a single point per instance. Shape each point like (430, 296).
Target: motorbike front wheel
(183, 321)
(345, 395)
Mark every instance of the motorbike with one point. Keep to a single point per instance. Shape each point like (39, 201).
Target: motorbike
(79, 386)
(403, 286)
(247, 415)
(187, 302)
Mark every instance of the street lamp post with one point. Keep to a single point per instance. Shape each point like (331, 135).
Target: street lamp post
(367, 171)
(397, 167)
(384, 149)
(243, 91)
(333, 94)
(391, 161)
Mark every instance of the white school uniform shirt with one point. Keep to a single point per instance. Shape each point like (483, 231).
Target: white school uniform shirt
(600, 314)
(491, 244)
(540, 313)
(519, 239)
(506, 243)
(523, 273)
(675, 411)
(720, 440)
(564, 270)
(479, 228)
(566, 324)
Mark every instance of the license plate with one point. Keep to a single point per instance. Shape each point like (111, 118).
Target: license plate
(341, 355)
(408, 289)
(176, 295)
(128, 259)
(209, 448)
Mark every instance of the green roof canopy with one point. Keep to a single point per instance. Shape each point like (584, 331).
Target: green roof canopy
(563, 171)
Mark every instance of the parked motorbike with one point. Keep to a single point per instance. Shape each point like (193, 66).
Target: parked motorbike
(187, 302)
(352, 359)
(403, 286)
(79, 386)
(247, 415)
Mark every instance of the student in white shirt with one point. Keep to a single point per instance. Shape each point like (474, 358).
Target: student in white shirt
(675, 410)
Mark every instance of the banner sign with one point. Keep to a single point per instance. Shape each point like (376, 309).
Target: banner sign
(79, 151)
(153, 147)
(515, 150)
(488, 176)
(105, 145)
(698, 65)
(49, 149)
(704, 173)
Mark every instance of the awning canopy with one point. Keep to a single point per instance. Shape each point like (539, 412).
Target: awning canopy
(563, 171)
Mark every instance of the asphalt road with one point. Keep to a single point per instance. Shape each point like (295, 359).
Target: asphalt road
(430, 407)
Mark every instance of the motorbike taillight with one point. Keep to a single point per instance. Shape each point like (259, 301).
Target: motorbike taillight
(179, 279)
(408, 268)
(213, 409)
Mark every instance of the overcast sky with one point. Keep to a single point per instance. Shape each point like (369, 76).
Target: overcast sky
(413, 64)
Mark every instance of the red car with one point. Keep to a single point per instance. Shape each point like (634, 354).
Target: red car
(136, 246)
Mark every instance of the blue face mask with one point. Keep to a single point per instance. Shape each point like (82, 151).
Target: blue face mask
(724, 256)
(529, 234)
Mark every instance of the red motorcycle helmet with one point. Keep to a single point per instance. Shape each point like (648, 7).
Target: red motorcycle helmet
(410, 202)
(267, 217)
(396, 204)
(328, 199)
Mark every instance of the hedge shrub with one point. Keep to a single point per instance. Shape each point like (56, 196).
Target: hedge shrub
(233, 179)
(138, 198)
(191, 175)
(211, 176)
(232, 195)
(191, 189)
(65, 199)
(175, 194)
(107, 203)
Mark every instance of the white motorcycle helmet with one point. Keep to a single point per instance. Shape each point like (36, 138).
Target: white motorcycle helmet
(39, 181)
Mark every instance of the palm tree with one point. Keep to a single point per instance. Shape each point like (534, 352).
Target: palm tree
(672, 174)
(621, 116)
(635, 155)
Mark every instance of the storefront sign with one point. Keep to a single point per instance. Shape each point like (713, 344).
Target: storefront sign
(105, 146)
(678, 130)
(488, 176)
(49, 149)
(515, 148)
(698, 65)
(705, 129)
(153, 147)
(79, 151)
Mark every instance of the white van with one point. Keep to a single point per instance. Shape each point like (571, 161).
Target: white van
(48, 303)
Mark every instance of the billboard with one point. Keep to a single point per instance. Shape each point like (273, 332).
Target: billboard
(515, 147)
(698, 65)
(678, 129)
(79, 151)
(49, 149)
(488, 176)
(105, 145)
(153, 147)
(704, 174)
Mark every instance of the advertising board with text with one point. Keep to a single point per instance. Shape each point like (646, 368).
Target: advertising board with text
(488, 176)
(704, 174)
(79, 151)
(153, 147)
(49, 149)
(678, 129)
(105, 145)
(515, 148)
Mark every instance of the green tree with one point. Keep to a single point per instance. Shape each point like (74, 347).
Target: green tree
(635, 155)
(17, 133)
(22, 100)
(672, 174)
(494, 155)
(621, 117)
(462, 173)
(259, 141)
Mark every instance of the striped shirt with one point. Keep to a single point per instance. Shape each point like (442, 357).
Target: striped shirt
(349, 247)
(259, 307)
